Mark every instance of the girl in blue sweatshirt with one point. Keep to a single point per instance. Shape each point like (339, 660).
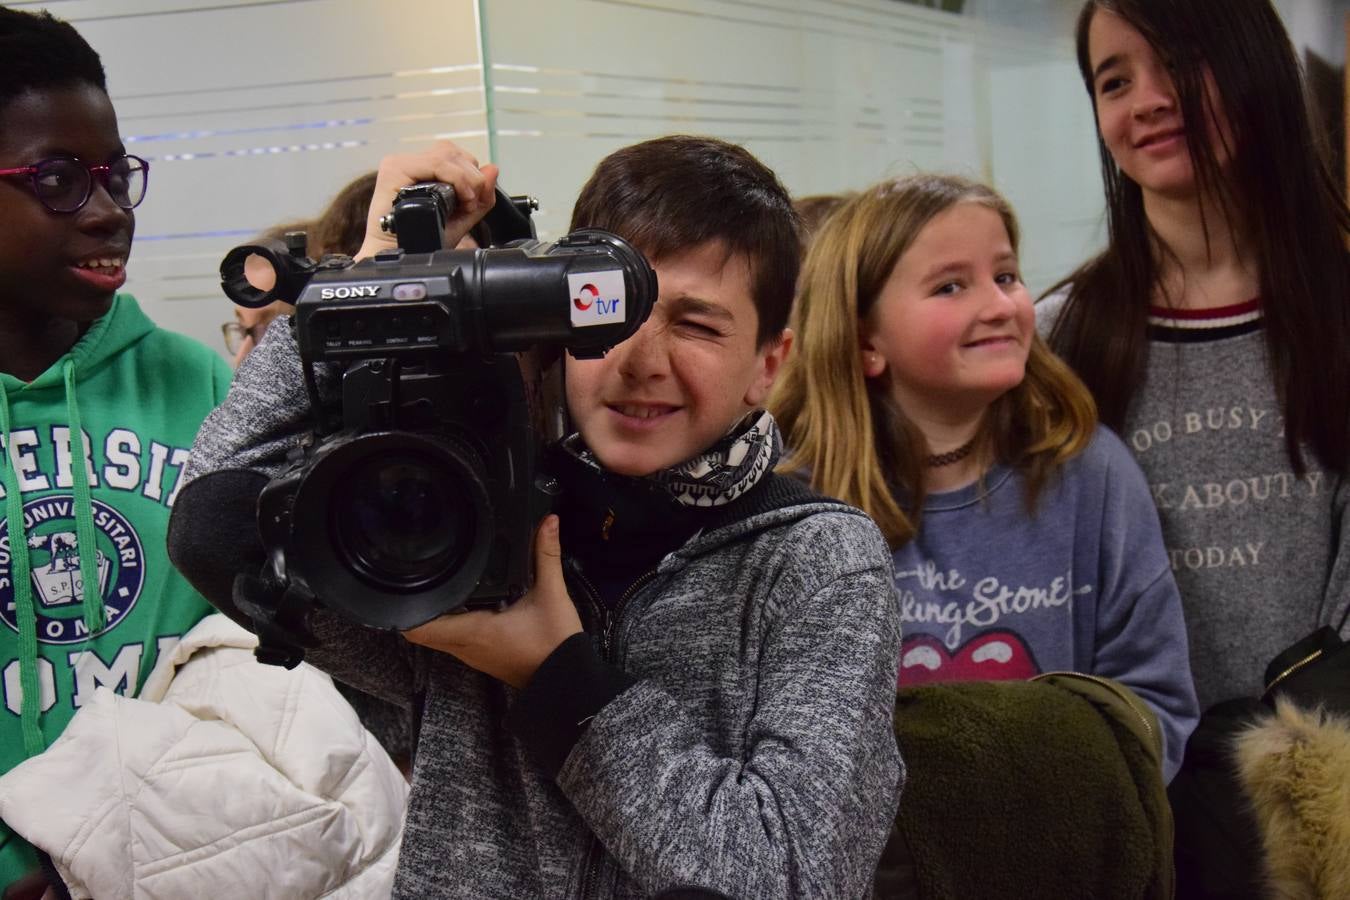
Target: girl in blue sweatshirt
(1024, 537)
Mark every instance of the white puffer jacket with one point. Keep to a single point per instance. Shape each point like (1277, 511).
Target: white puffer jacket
(227, 778)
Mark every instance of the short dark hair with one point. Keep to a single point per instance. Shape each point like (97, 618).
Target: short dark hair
(679, 192)
(39, 51)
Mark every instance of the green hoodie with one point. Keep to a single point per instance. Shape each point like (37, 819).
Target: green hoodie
(138, 394)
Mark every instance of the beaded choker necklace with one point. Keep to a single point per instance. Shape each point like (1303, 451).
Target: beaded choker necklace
(937, 460)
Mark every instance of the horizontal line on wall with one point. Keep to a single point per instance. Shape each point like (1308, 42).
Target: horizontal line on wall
(255, 129)
(305, 82)
(258, 151)
(442, 136)
(882, 21)
(191, 9)
(795, 90)
(355, 123)
(299, 104)
(831, 137)
(657, 116)
(191, 235)
(195, 276)
(643, 98)
(179, 298)
(554, 72)
(816, 98)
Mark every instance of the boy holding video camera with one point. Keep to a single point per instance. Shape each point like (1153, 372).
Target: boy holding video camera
(696, 693)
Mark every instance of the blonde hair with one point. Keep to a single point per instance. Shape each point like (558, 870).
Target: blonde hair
(846, 429)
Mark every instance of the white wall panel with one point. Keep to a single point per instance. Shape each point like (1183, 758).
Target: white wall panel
(1044, 158)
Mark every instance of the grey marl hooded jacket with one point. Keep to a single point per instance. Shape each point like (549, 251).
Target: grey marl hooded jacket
(751, 752)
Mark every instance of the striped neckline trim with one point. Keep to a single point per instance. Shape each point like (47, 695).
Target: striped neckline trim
(1189, 326)
(1217, 317)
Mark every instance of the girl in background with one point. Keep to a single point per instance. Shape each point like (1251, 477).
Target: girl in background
(1214, 330)
(1023, 535)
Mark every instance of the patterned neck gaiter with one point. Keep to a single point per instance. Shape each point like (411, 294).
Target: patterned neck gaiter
(718, 475)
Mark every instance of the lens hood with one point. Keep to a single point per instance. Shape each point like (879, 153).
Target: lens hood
(392, 529)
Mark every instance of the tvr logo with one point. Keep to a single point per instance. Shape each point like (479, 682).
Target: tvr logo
(590, 296)
(597, 298)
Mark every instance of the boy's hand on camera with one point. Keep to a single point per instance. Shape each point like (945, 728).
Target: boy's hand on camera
(475, 191)
(511, 644)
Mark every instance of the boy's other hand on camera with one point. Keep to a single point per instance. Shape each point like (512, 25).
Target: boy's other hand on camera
(510, 644)
(475, 191)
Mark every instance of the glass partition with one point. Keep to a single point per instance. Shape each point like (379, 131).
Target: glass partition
(832, 95)
(254, 113)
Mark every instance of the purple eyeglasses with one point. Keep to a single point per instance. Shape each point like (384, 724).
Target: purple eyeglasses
(64, 184)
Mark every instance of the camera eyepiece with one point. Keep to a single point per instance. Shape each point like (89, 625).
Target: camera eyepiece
(254, 275)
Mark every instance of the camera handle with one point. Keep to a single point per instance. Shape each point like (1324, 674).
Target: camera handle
(419, 215)
(279, 617)
(420, 212)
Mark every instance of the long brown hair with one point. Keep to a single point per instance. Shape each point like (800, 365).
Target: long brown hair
(341, 227)
(845, 428)
(1278, 188)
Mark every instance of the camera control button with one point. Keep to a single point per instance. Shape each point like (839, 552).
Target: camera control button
(414, 290)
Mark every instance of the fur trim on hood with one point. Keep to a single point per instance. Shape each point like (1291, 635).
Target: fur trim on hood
(1295, 768)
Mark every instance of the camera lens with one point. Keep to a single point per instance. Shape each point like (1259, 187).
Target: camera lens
(403, 522)
(390, 529)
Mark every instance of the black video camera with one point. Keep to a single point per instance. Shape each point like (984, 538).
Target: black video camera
(419, 493)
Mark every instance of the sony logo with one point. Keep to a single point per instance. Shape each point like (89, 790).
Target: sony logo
(350, 293)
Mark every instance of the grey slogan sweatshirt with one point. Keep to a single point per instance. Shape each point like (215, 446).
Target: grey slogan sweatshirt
(1262, 556)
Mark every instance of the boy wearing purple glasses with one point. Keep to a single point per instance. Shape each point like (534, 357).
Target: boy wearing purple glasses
(83, 373)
